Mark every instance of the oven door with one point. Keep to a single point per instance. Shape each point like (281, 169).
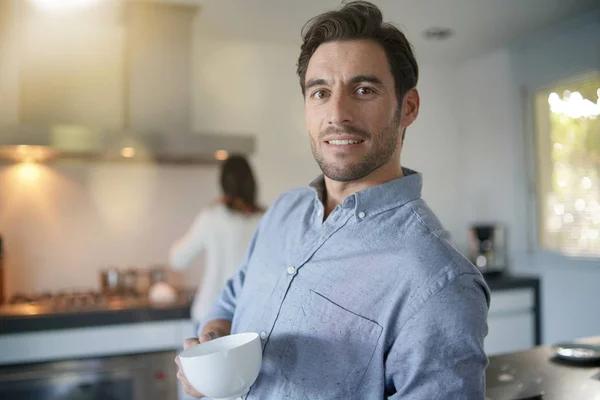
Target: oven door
(135, 377)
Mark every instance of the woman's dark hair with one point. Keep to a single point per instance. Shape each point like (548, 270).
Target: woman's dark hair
(359, 20)
(238, 184)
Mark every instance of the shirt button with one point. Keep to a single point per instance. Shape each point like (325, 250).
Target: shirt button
(263, 335)
(361, 215)
(291, 270)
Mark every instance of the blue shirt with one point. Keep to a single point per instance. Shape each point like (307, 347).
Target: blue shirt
(372, 303)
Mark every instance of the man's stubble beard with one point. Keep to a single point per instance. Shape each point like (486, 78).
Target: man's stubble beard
(384, 147)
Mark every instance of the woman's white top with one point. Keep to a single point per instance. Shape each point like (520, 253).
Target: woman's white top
(225, 236)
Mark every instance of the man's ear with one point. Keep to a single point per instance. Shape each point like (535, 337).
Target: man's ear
(410, 108)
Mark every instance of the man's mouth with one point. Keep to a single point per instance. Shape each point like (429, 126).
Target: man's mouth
(339, 142)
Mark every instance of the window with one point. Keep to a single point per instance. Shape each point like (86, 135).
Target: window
(567, 124)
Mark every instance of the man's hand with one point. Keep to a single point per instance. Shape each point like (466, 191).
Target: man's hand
(212, 330)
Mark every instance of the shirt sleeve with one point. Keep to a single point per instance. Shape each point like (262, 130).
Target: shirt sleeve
(225, 305)
(439, 352)
(184, 250)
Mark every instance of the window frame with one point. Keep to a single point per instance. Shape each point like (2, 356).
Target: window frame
(534, 201)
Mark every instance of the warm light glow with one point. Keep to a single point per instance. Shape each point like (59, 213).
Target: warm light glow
(28, 171)
(128, 152)
(33, 195)
(21, 153)
(62, 4)
(221, 155)
(586, 183)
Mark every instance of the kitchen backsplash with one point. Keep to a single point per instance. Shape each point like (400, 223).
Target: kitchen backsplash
(61, 225)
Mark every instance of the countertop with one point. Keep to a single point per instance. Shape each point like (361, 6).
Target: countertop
(32, 318)
(29, 318)
(534, 372)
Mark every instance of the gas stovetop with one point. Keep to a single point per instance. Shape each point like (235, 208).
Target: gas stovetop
(22, 304)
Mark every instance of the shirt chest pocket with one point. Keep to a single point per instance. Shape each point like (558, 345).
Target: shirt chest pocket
(331, 349)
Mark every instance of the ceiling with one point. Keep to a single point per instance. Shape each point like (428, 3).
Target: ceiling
(479, 25)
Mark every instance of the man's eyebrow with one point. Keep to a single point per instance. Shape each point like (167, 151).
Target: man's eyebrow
(355, 80)
(366, 79)
(314, 82)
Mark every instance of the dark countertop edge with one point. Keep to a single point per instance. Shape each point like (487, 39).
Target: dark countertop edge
(506, 282)
(54, 322)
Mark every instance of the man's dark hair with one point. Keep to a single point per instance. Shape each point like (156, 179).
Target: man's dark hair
(358, 20)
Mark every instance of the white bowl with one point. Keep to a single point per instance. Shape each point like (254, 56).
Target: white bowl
(223, 368)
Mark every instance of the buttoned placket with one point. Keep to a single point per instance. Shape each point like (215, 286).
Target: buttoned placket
(336, 220)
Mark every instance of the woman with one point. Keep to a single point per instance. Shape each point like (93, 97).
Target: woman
(223, 230)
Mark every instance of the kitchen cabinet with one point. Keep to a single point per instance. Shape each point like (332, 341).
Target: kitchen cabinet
(514, 319)
(92, 341)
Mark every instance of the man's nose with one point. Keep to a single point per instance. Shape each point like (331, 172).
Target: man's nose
(340, 111)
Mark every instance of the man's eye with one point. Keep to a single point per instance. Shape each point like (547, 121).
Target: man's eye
(364, 91)
(319, 94)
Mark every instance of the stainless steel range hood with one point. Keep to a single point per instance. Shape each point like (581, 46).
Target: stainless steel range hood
(156, 68)
(68, 142)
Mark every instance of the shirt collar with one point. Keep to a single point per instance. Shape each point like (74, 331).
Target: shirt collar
(318, 185)
(376, 199)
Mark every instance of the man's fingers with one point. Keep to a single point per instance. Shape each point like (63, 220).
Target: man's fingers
(191, 342)
(207, 336)
(187, 343)
(191, 391)
(187, 387)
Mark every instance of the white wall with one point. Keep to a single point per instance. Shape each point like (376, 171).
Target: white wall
(490, 153)
(252, 88)
(62, 224)
(496, 161)
(432, 147)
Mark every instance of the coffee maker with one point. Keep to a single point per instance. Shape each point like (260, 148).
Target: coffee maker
(487, 245)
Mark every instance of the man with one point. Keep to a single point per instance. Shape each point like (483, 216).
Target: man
(352, 283)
